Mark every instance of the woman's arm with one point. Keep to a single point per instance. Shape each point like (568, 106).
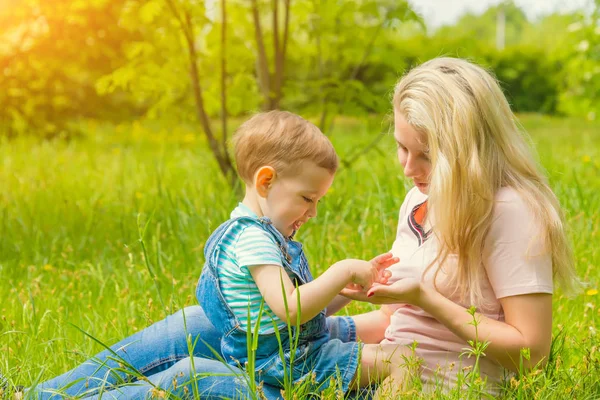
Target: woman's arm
(527, 325)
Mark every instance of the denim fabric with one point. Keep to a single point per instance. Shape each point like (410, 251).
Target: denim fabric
(310, 346)
(161, 353)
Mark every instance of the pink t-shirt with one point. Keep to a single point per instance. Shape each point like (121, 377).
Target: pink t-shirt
(515, 261)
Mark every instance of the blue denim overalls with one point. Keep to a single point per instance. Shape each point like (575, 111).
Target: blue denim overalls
(311, 335)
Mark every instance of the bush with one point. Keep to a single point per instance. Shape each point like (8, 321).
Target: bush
(530, 80)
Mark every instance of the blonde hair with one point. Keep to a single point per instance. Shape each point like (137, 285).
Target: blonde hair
(476, 148)
(281, 140)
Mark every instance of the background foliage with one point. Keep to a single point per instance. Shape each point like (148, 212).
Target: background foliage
(63, 60)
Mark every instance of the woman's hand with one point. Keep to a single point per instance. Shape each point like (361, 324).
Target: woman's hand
(406, 290)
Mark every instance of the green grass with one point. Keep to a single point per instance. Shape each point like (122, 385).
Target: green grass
(71, 214)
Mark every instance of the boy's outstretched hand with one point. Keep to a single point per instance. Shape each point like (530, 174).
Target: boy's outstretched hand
(381, 263)
(376, 273)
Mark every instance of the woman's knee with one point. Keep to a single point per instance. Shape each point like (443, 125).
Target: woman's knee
(379, 361)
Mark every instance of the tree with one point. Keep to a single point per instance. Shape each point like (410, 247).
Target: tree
(271, 84)
(183, 14)
(348, 36)
(177, 38)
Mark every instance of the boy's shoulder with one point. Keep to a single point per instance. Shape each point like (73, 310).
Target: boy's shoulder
(248, 230)
(248, 242)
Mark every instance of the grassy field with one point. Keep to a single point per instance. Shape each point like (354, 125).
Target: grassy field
(71, 214)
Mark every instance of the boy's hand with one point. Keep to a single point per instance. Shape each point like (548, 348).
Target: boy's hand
(382, 263)
(356, 290)
(364, 274)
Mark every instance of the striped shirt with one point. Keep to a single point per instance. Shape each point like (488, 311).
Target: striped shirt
(243, 246)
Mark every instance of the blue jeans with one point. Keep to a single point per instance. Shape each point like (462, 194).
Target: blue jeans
(161, 354)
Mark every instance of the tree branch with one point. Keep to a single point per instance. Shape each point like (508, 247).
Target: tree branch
(281, 51)
(347, 163)
(185, 22)
(264, 76)
(224, 78)
(274, 98)
(367, 51)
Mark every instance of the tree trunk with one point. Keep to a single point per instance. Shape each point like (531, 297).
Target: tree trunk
(219, 153)
(280, 51)
(224, 132)
(274, 97)
(264, 76)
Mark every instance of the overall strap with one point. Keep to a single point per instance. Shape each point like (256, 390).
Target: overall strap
(262, 222)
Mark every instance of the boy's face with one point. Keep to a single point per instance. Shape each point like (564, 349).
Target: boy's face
(291, 201)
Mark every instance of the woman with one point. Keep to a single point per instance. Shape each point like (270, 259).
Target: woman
(481, 228)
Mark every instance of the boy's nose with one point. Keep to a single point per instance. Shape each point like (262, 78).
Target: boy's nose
(312, 211)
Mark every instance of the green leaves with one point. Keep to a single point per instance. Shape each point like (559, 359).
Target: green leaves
(581, 90)
(150, 10)
(50, 57)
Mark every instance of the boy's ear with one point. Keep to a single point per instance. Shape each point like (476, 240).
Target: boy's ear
(265, 176)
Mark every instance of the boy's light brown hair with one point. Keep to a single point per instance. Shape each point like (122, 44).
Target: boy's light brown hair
(281, 140)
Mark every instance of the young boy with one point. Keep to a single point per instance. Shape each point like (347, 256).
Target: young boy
(256, 278)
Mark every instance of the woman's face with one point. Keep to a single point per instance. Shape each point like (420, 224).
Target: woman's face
(413, 153)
